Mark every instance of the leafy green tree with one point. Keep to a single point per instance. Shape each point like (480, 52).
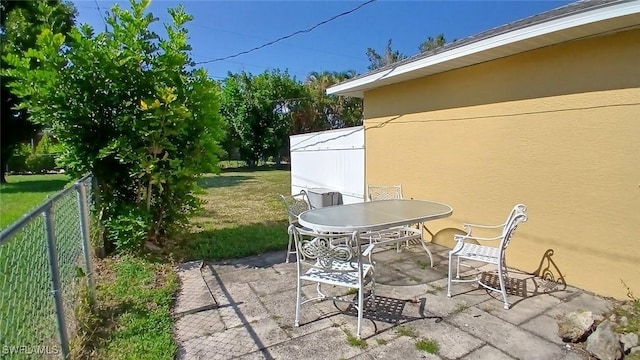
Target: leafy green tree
(262, 111)
(233, 108)
(304, 114)
(20, 24)
(257, 110)
(127, 106)
(330, 111)
(389, 57)
(432, 43)
(237, 109)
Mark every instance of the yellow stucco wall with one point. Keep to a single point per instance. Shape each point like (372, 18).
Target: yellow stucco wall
(557, 129)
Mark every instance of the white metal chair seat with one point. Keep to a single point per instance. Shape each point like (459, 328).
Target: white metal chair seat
(337, 260)
(487, 254)
(465, 250)
(344, 274)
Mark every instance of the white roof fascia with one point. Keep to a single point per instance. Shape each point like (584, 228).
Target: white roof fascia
(529, 32)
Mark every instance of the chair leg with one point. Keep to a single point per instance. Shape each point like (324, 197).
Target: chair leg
(373, 290)
(298, 301)
(319, 292)
(449, 277)
(360, 311)
(289, 252)
(426, 249)
(503, 289)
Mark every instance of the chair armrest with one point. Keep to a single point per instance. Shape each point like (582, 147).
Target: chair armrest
(468, 225)
(481, 228)
(470, 237)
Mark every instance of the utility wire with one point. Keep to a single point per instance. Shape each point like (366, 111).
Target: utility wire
(261, 38)
(287, 36)
(303, 75)
(101, 15)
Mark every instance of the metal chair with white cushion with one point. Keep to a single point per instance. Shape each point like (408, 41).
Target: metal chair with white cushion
(295, 205)
(335, 260)
(468, 247)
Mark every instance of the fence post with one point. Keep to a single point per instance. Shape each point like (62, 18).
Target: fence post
(55, 279)
(83, 210)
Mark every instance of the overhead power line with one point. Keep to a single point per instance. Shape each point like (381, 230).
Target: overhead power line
(262, 38)
(288, 36)
(101, 15)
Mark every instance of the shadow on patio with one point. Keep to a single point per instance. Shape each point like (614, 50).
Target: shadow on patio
(245, 309)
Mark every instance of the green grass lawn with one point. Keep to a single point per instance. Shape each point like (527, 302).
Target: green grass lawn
(22, 193)
(133, 311)
(25, 302)
(242, 216)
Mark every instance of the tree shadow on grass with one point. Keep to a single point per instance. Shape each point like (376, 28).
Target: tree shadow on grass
(215, 181)
(33, 186)
(233, 243)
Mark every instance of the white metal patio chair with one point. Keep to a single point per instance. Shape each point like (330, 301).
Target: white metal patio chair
(385, 192)
(336, 260)
(295, 205)
(468, 248)
(407, 233)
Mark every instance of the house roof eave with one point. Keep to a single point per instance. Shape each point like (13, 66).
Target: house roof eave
(620, 15)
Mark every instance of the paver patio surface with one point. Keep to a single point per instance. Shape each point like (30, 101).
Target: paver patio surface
(245, 309)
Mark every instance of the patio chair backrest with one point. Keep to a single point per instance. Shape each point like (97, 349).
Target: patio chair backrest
(516, 216)
(324, 250)
(295, 205)
(386, 192)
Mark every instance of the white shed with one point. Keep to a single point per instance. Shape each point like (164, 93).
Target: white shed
(332, 159)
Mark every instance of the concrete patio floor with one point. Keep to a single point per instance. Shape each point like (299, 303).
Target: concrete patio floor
(245, 309)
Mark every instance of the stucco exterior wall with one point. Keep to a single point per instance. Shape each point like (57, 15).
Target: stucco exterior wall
(557, 129)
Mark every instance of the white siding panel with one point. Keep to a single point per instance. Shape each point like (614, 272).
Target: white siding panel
(329, 159)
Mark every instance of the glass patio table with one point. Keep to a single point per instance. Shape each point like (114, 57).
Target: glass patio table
(369, 217)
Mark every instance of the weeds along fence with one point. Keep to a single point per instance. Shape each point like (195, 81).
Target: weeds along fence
(44, 263)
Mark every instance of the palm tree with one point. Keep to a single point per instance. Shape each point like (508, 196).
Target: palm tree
(390, 56)
(332, 111)
(432, 43)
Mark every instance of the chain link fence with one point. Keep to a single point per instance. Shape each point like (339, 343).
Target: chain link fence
(44, 261)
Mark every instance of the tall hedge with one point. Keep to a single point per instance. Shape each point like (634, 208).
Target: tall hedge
(127, 106)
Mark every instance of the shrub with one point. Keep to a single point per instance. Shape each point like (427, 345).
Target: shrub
(39, 163)
(127, 228)
(47, 145)
(127, 106)
(41, 159)
(17, 163)
(26, 160)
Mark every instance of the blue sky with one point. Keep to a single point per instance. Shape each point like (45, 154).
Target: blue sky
(222, 28)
